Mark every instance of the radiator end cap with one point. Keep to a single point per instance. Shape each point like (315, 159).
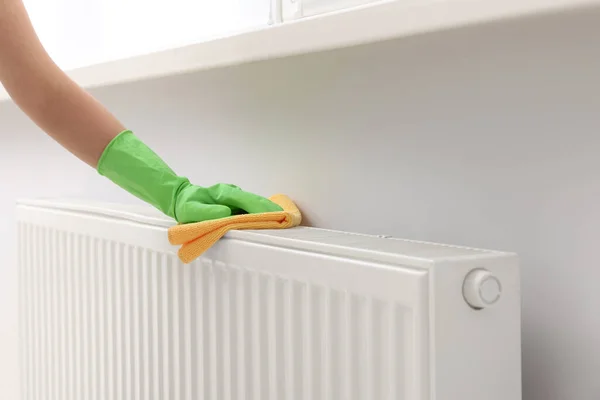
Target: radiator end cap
(481, 289)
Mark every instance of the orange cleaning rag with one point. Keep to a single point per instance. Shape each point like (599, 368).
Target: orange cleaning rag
(198, 237)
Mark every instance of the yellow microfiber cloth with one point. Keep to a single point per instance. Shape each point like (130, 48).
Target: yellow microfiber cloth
(198, 237)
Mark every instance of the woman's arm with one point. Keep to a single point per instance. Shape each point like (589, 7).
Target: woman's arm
(83, 126)
(46, 94)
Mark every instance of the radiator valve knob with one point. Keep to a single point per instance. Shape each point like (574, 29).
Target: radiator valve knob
(481, 289)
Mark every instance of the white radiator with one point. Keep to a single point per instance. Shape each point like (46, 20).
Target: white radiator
(108, 312)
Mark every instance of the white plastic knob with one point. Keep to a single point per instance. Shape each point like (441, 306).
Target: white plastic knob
(481, 289)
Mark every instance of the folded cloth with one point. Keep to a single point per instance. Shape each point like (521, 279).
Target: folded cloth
(198, 237)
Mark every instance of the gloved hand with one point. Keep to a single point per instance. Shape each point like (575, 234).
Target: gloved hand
(136, 168)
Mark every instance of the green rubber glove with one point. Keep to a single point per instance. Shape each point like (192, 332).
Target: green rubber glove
(136, 168)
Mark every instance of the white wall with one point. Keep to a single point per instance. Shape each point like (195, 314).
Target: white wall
(485, 137)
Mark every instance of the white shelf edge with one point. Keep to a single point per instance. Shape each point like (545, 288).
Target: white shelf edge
(362, 25)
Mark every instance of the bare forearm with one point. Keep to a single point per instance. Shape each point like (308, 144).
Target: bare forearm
(46, 94)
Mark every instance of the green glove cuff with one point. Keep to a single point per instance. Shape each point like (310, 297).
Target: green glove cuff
(136, 168)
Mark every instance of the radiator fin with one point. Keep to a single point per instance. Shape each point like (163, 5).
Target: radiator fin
(104, 320)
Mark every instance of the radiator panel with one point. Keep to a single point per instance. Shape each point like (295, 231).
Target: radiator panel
(107, 320)
(108, 312)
